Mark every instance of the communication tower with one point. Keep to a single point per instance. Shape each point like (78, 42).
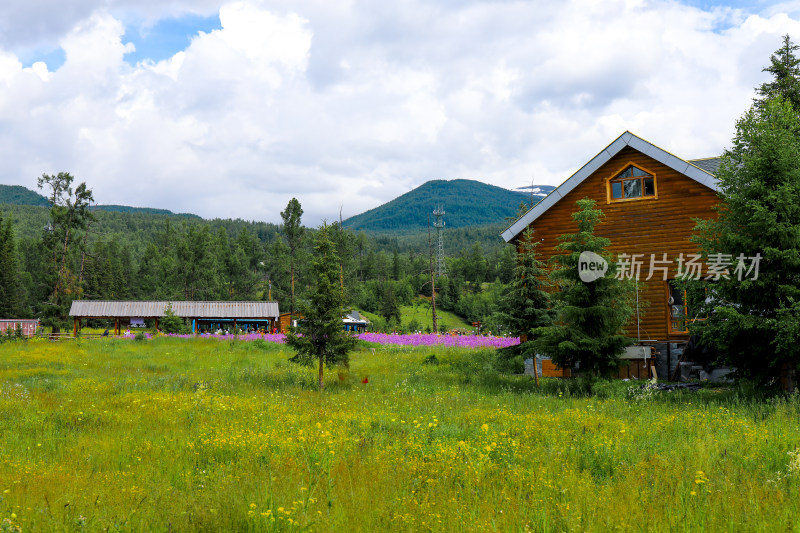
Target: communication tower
(439, 225)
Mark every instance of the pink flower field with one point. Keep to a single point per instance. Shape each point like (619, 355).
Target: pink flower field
(420, 339)
(417, 339)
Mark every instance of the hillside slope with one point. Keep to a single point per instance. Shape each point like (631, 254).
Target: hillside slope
(19, 195)
(467, 203)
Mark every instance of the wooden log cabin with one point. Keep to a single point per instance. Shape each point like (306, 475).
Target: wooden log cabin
(650, 199)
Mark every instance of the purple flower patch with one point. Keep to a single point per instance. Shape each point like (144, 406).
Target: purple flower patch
(416, 339)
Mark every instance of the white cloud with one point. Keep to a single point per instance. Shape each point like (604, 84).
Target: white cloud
(353, 103)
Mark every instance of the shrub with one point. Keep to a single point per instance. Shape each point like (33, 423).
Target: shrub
(509, 360)
(172, 323)
(430, 360)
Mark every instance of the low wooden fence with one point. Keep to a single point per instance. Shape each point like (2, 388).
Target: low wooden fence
(70, 337)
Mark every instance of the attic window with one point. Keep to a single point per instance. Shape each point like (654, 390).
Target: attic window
(632, 183)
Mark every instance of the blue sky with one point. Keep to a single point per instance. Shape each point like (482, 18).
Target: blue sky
(231, 108)
(152, 41)
(166, 37)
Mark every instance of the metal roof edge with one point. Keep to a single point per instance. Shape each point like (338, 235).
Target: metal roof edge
(80, 308)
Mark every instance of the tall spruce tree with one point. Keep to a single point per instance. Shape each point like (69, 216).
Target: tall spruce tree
(294, 234)
(752, 320)
(525, 305)
(590, 316)
(320, 337)
(9, 272)
(785, 69)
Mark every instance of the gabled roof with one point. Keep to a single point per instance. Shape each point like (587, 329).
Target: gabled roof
(709, 164)
(354, 317)
(237, 309)
(692, 170)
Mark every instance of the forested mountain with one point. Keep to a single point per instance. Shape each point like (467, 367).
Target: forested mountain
(52, 255)
(150, 210)
(475, 213)
(136, 228)
(19, 195)
(467, 203)
(453, 239)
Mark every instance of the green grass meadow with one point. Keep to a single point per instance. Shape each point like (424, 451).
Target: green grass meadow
(177, 434)
(421, 313)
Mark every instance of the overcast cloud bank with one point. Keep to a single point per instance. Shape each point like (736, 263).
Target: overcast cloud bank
(350, 104)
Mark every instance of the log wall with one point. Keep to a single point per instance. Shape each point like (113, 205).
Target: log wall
(651, 225)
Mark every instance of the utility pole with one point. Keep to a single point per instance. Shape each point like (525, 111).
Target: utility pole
(531, 201)
(439, 225)
(433, 279)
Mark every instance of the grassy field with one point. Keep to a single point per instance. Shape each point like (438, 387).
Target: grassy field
(421, 313)
(186, 435)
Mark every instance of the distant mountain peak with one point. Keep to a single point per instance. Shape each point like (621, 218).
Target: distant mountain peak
(466, 202)
(536, 190)
(19, 195)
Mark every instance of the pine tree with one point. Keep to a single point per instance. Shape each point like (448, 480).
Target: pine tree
(172, 323)
(389, 306)
(525, 305)
(590, 315)
(320, 335)
(785, 69)
(199, 265)
(69, 215)
(9, 273)
(753, 321)
(278, 275)
(294, 234)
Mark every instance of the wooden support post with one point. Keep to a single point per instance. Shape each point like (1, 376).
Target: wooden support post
(75, 327)
(116, 326)
(234, 326)
(156, 324)
(669, 359)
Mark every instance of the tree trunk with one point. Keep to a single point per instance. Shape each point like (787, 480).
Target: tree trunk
(62, 267)
(321, 367)
(433, 304)
(291, 311)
